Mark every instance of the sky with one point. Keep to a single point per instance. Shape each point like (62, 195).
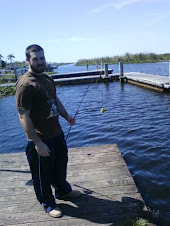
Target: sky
(70, 30)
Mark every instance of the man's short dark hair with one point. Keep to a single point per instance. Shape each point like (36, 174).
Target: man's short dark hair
(32, 48)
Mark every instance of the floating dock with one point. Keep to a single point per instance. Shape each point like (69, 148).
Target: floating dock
(81, 74)
(156, 82)
(110, 195)
(86, 79)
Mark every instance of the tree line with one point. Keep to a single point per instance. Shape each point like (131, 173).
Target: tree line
(11, 64)
(127, 58)
(3, 63)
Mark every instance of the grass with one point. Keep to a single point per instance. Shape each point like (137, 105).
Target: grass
(51, 73)
(7, 91)
(6, 78)
(127, 58)
(140, 222)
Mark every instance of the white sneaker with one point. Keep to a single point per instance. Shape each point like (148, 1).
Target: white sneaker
(55, 212)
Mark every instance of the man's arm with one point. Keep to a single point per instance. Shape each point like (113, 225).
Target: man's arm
(64, 113)
(41, 147)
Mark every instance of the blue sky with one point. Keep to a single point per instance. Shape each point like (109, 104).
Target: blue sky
(70, 30)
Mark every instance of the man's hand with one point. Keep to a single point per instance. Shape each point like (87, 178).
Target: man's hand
(42, 149)
(71, 120)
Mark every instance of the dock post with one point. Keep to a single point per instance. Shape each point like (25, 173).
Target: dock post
(87, 66)
(121, 71)
(102, 64)
(3, 72)
(16, 74)
(106, 69)
(97, 67)
(169, 72)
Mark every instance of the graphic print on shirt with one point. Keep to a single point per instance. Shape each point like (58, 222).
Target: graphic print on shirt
(51, 103)
(53, 109)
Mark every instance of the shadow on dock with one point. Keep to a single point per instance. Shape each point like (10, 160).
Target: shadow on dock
(109, 194)
(104, 210)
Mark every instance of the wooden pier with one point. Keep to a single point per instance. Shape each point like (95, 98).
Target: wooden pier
(156, 82)
(87, 79)
(109, 192)
(81, 73)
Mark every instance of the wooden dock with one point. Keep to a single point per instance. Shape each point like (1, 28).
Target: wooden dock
(109, 194)
(156, 82)
(86, 79)
(81, 73)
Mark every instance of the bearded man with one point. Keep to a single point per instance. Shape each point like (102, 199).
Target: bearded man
(39, 109)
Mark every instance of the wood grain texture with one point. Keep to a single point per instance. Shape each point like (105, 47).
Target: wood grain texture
(109, 192)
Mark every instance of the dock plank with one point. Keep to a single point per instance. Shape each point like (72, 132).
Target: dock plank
(87, 79)
(109, 192)
(155, 81)
(80, 73)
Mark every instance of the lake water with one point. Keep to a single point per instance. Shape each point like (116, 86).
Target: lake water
(137, 120)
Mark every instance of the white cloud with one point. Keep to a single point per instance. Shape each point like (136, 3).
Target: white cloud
(118, 5)
(79, 39)
(125, 3)
(101, 8)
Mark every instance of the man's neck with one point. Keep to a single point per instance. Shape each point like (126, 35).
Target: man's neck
(33, 72)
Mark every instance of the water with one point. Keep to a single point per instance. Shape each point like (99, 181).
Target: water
(137, 120)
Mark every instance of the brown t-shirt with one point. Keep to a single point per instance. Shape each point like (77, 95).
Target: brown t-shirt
(37, 93)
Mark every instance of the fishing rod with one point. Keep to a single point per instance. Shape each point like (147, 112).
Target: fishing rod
(78, 110)
(102, 109)
(89, 191)
(67, 138)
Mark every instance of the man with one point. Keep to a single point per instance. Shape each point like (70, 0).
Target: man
(39, 109)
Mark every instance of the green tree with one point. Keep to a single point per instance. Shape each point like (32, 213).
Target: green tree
(10, 57)
(127, 57)
(1, 57)
(1, 61)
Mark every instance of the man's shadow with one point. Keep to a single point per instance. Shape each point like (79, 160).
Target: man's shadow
(104, 210)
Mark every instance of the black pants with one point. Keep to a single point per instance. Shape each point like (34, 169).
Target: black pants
(51, 170)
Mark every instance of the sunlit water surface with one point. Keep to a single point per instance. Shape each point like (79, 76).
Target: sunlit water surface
(137, 120)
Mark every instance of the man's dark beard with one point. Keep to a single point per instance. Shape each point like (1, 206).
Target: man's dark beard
(38, 69)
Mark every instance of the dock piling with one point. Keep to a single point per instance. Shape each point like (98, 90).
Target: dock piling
(87, 66)
(121, 68)
(169, 72)
(121, 71)
(106, 69)
(97, 66)
(16, 74)
(102, 64)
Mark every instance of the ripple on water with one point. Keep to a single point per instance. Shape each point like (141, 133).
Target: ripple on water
(137, 120)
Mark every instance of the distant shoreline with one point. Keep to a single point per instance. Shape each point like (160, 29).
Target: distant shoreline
(128, 58)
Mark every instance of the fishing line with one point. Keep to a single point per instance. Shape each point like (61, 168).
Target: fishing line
(39, 162)
(39, 172)
(89, 191)
(93, 92)
(78, 110)
(102, 94)
(102, 109)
